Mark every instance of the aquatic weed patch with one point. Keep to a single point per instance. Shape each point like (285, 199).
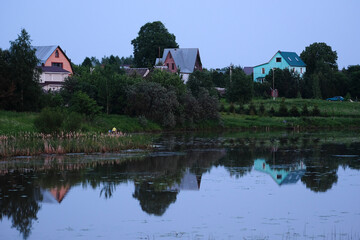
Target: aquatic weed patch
(28, 144)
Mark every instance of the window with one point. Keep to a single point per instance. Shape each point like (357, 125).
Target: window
(293, 69)
(57, 53)
(170, 56)
(301, 70)
(278, 59)
(296, 59)
(172, 66)
(263, 70)
(289, 59)
(55, 64)
(168, 66)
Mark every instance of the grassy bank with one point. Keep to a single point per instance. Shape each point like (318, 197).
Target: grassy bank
(332, 115)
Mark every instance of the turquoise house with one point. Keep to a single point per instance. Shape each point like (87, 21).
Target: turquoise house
(281, 174)
(280, 60)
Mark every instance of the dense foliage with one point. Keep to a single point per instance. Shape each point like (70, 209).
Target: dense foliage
(150, 43)
(19, 77)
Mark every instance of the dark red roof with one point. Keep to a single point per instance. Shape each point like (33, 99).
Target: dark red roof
(53, 69)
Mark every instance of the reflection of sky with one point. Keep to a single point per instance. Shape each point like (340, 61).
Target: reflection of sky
(251, 206)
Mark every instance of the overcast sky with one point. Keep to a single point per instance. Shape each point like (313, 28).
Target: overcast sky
(244, 33)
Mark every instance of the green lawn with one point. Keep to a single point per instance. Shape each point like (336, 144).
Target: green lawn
(333, 115)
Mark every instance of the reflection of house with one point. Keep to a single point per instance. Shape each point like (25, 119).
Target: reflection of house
(183, 60)
(281, 174)
(55, 66)
(189, 181)
(281, 60)
(56, 194)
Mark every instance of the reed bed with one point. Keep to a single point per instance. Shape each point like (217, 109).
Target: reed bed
(29, 144)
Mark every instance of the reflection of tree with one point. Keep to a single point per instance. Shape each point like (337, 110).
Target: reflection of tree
(238, 161)
(152, 201)
(20, 204)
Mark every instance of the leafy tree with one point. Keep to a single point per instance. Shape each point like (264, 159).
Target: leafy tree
(289, 84)
(319, 57)
(153, 101)
(199, 80)
(83, 104)
(168, 80)
(7, 86)
(151, 37)
(20, 89)
(240, 89)
(87, 62)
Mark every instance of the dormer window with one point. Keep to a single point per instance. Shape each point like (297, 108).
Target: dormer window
(57, 53)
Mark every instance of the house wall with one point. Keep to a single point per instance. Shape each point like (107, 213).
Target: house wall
(170, 60)
(61, 59)
(52, 77)
(273, 64)
(268, 66)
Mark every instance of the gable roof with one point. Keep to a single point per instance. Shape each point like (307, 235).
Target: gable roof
(44, 52)
(142, 72)
(292, 59)
(185, 58)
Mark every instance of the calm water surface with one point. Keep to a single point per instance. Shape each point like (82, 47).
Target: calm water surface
(286, 186)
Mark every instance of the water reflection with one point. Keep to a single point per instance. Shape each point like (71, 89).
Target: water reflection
(282, 174)
(158, 178)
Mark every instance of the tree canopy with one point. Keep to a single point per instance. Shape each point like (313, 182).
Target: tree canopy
(19, 77)
(319, 57)
(151, 37)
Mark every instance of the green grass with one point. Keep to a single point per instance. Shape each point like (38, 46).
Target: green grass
(327, 108)
(15, 122)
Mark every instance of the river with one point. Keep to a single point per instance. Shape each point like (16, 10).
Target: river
(281, 185)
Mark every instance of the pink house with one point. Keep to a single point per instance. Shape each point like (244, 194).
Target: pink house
(55, 66)
(182, 60)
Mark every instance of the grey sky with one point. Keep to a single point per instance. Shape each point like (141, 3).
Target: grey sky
(245, 33)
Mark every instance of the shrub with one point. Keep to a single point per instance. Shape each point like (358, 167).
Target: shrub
(143, 121)
(72, 122)
(49, 121)
(240, 109)
(222, 107)
(315, 111)
(208, 105)
(305, 111)
(83, 104)
(232, 108)
(261, 109)
(153, 101)
(252, 109)
(272, 111)
(294, 112)
(283, 111)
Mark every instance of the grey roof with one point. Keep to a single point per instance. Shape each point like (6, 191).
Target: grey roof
(53, 69)
(248, 70)
(142, 72)
(44, 52)
(184, 58)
